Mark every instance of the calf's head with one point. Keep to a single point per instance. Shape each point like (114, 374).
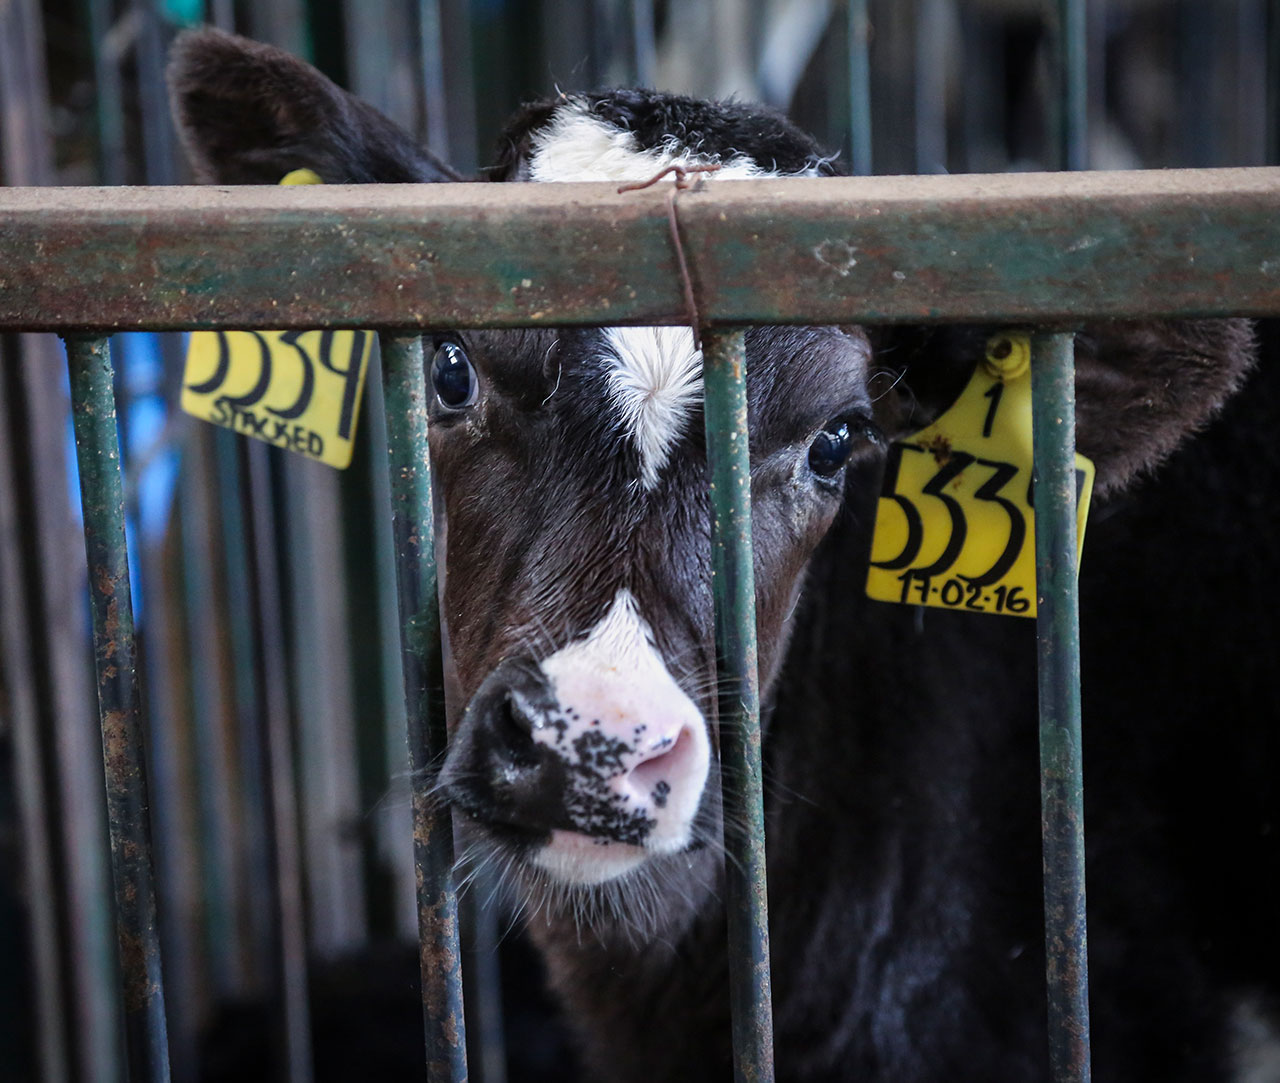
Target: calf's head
(570, 467)
(571, 472)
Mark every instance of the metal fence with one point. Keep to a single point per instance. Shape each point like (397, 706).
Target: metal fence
(86, 263)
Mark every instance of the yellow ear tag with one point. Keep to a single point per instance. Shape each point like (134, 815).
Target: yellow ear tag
(298, 390)
(955, 525)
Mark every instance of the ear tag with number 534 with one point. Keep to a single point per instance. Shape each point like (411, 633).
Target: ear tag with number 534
(955, 523)
(298, 390)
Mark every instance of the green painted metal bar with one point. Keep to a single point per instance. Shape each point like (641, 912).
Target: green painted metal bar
(1061, 766)
(733, 583)
(859, 34)
(1018, 248)
(404, 380)
(102, 499)
(1072, 77)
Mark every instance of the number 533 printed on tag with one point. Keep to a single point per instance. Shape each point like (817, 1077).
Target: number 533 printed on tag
(955, 523)
(298, 390)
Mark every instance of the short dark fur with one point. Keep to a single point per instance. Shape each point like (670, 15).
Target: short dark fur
(724, 129)
(901, 752)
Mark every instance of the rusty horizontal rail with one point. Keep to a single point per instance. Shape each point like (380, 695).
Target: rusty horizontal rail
(1022, 248)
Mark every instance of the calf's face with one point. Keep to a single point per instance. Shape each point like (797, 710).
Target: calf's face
(576, 531)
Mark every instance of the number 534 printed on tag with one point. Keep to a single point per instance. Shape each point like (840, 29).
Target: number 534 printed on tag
(299, 390)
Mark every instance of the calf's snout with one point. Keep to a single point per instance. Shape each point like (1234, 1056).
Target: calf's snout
(594, 755)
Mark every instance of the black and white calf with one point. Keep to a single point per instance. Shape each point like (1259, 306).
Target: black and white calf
(900, 756)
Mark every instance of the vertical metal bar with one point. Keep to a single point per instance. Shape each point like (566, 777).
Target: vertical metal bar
(1273, 82)
(395, 822)
(1072, 78)
(250, 769)
(102, 498)
(1196, 141)
(859, 87)
(1243, 94)
(167, 671)
(931, 86)
(411, 515)
(733, 585)
(482, 980)
(1096, 21)
(36, 421)
(456, 17)
(1061, 768)
(280, 784)
(644, 43)
(108, 95)
(158, 141)
(212, 779)
(431, 59)
(21, 722)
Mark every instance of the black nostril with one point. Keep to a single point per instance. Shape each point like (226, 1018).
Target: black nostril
(511, 723)
(495, 763)
(514, 712)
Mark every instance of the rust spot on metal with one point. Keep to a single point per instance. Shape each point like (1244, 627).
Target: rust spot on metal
(111, 629)
(103, 581)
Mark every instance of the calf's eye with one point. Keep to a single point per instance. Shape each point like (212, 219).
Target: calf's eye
(834, 445)
(453, 378)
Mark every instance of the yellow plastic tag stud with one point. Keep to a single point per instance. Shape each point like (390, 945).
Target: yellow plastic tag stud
(955, 523)
(298, 390)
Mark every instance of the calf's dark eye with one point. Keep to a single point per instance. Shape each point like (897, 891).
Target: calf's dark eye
(453, 377)
(835, 444)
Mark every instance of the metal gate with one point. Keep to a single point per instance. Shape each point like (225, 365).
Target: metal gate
(88, 262)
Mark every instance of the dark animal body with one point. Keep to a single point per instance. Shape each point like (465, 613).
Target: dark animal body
(900, 752)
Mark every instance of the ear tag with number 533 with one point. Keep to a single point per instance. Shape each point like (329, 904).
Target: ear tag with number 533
(955, 523)
(298, 390)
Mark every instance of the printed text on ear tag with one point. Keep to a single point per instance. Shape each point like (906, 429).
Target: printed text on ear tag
(299, 390)
(955, 523)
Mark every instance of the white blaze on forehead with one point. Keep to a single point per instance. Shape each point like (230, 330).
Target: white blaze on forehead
(656, 378)
(578, 145)
(636, 743)
(655, 384)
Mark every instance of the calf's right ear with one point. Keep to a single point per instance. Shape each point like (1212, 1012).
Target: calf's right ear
(249, 113)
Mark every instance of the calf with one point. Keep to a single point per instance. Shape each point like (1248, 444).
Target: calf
(900, 754)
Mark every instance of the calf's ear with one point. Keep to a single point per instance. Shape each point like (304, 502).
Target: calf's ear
(249, 113)
(1142, 386)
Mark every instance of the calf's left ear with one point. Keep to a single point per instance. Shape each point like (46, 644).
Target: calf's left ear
(1142, 386)
(249, 113)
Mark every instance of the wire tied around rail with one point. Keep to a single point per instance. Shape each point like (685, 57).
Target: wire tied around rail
(683, 182)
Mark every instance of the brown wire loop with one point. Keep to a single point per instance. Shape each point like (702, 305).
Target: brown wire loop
(682, 183)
